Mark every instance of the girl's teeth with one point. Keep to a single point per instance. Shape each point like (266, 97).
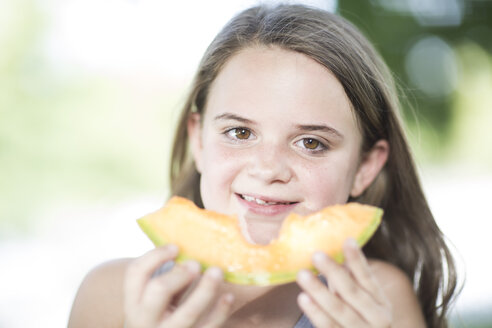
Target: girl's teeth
(258, 201)
(248, 198)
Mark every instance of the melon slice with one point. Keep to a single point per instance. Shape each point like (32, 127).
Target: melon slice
(215, 239)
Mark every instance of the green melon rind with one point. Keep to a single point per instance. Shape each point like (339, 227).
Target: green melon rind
(364, 237)
(262, 278)
(150, 232)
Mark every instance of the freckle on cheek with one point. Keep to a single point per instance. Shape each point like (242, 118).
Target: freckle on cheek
(226, 153)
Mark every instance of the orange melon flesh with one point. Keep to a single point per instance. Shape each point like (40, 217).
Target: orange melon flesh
(215, 239)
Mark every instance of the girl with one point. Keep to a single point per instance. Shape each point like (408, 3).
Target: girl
(291, 110)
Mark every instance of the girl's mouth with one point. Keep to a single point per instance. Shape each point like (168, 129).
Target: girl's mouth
(265, 205)
(263, 202)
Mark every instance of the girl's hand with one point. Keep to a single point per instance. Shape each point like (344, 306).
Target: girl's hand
(353, 297)
(158, 301)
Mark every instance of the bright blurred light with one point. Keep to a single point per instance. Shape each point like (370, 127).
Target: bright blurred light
(152, 36)
(428, 12)
(431, 66)
(438, 12)
(149, 36)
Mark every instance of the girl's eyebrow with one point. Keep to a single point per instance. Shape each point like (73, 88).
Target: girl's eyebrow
(304, 127)
(320, 127)
(230, 116)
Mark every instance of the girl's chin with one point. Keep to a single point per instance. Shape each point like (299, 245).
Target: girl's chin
(259, 232)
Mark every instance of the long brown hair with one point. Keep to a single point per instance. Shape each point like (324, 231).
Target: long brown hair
(408, 237)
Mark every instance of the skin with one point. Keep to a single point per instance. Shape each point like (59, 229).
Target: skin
(278, 135)
(280, 101)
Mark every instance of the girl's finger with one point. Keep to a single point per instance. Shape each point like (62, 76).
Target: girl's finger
(141, 269)
(357, 263)
(328, 302)
(348, 289)
(220, 312)
(161, 290)
(315, 314)
(188, 313)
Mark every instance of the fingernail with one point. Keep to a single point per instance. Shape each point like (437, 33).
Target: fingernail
(173, 249)
(319, 257)
(304, 276)
(352, 243)
(192, 266)
(228, 298)
(303, 298)
(214, 273)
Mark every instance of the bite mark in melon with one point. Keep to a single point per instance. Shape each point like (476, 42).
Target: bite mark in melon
(215, 239)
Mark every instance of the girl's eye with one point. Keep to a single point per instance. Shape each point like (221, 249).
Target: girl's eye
(239, 133)
(310, 143)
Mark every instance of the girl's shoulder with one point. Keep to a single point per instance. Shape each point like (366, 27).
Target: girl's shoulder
(385, 271)
(99, 299)
(390, 277)
(399, 291)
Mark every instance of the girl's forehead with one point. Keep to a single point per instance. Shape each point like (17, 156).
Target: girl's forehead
(273, 67)
(271, 82)
(267, 56)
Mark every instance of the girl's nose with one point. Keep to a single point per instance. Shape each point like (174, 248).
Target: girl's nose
(270, 164)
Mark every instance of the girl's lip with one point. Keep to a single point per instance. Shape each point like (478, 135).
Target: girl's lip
(279, 206)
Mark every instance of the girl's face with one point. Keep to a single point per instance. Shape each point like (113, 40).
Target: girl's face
(278, 135)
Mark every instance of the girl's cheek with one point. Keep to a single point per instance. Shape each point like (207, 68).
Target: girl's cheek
(221, 164)
(325, 184)
(215, 148)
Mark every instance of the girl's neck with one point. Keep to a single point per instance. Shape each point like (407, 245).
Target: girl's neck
(274, 306)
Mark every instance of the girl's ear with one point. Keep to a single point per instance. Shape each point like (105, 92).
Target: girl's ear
(370, 166)
(195, 137)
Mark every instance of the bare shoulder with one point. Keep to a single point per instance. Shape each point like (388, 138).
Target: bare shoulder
(400, 293)
(99, 300)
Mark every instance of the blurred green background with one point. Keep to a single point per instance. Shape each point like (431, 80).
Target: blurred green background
(440, 53)
(70, 133)
(82, 127)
